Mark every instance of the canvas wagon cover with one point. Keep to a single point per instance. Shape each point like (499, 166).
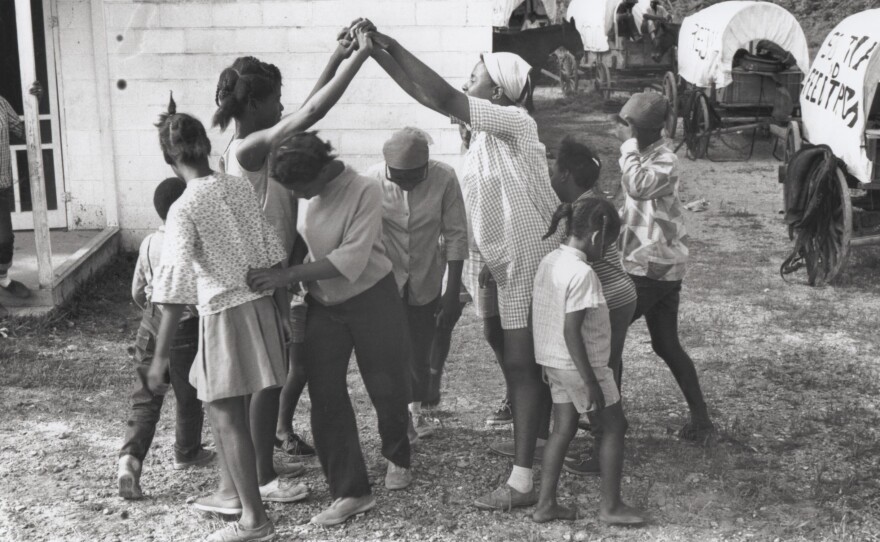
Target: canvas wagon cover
(840, 87)
(594, 19)
(710, 37)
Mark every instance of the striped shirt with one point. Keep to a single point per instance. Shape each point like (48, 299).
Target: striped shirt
(653, 236)
(566, 283)
(618, 288)
(9, 122)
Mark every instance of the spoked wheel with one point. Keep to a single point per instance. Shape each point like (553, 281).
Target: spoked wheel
(670, 90)
(603, 80)
(698, 126)
(793, 140)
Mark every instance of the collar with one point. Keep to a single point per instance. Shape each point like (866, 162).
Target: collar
(574, 252)
(655, 146)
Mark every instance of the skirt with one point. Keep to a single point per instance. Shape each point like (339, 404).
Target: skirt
(241, 351)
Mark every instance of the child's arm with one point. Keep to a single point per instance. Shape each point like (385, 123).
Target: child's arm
(574, 341)
(139, 282)
(646, 182)
(171, 314)
(343, 51)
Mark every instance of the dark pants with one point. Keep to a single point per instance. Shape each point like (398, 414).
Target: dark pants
(373, 324)
(146, 406)
(658, 303)
(422, 329)
(7, 239)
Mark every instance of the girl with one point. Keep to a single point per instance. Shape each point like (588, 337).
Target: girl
(572, 336)
(573, 177)
(249, 93)
(353, 304)
(215, 232)
(510, 201)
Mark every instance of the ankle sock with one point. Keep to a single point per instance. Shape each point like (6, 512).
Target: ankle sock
(415, 409)
(521, 479)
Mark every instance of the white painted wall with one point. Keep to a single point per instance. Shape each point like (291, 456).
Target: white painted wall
(182, 46)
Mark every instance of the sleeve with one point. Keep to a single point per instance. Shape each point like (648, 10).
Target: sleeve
(647, 181)
(174, 282)
(583, 290)
(503, 122)
(16, 126)
(454, 220)
(139, 281)
(365, 227)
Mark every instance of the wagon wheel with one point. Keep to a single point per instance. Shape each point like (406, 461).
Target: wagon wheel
(670, 90)
(698, 126)
(793, 140)
(602, 81)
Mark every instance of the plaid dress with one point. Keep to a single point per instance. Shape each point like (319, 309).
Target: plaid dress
(510, 203)
(9, 122)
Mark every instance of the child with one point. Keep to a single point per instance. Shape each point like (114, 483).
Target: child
(423, 210)
(573, 177)
(572, 335)
(653, 240)
(216, 232)
(146, 406)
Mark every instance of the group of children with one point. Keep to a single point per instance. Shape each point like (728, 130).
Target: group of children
(368, 260)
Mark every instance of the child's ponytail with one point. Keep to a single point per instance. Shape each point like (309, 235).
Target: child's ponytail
(182, 137)
(563, 211)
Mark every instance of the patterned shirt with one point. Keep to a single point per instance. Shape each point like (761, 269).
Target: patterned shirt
(566, 283)
(653, 236)
(507, 191)
(215, 232)
(149, 258)
(9, 122)
(415, 223)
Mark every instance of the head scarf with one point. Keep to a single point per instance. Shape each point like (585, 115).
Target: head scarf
(407, 149)
(508, 71)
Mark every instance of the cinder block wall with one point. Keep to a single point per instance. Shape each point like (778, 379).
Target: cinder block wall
(183, 46)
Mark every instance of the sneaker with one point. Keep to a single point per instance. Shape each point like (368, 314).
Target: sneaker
(506, 447)
(17, 289)
(506, 498)
(128, 478)
(422, 427)
(204, 457)
(411, 432)
(288, 469)
(275, 491)
(295, 446)
(234, 532)
(215, 504)
(502, 416)
(342, 509)
(397, 477)
(581, 467)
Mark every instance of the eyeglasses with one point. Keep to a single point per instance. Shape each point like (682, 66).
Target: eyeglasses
(407, 176)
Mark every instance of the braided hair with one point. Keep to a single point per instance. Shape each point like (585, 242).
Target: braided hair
(580, 161)
(246, 81)
(585, 218)
(300, 158)
(182, 137)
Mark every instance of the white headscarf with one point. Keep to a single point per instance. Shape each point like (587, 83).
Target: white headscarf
(509, 71)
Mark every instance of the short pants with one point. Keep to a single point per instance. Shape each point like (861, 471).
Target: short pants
(567, 386)
(485, 299)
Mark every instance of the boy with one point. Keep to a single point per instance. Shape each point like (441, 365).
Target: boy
(422, 208)
(653, 241)
(146, 406)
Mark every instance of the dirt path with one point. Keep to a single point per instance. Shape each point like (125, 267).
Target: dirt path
(790, 374)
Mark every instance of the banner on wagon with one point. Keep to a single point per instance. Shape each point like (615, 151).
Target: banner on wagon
(840, 87)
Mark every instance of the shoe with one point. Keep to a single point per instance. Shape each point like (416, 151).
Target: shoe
(17, 289)
(204, 457)
(422, 427)
(581, 467)
(502, 416)
(128, 478)
(411, 432)
(397, 477)
(275, 491)
(342, 509)
(506, 446)
(294, 445)
(506, 498)
(215, 504)
(288, 469)
(234, 532)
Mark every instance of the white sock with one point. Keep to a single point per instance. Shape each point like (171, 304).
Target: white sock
(415, 409)
(5, 281)
(521, 479)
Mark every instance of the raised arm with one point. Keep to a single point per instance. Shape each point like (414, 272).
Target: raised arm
(646, 182)
(344, 48)
(387, 62)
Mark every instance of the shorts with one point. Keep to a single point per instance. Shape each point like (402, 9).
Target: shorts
(485, 299)
(567, 386)
(298, 310)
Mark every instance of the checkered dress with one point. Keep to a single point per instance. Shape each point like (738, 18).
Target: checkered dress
(9, 122)
(507, 191)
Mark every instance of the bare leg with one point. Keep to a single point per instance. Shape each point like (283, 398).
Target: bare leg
(291, 392)
(529, 396)
(612, 509)
(565, 420)
(263, 418)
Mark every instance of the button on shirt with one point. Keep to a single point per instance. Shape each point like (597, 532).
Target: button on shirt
(344, 224)
(9, 122)
(566, 283)
(412, 226)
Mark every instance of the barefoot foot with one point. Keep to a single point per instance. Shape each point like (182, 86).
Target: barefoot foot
(543, 514)
(622, 515)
